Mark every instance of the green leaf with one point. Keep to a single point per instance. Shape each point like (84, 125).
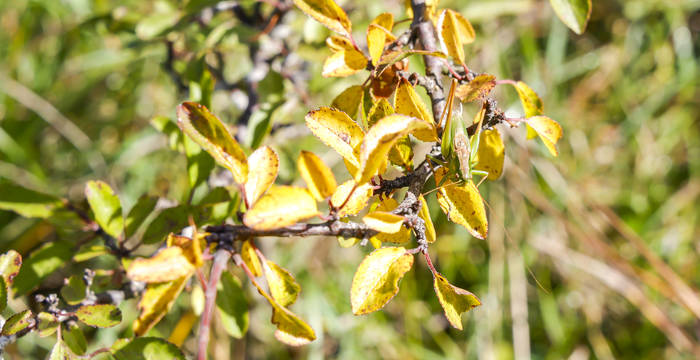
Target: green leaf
(260, 123)
(199, 163)
(27, 203)
(573, 13)
(138, 214)
(3, 294)
(209, 132)
(167, 221)
(48, 323)
(232, 306)
(106, 207)
(454, 300)
(17, 323)
(283, 288)
(73, 292)
(376, 280)
(99, 315)
(75, 339)
(91, 251)
(10, 264)
(59, 351)
(40, 264)
(148, 348)
(156, 24)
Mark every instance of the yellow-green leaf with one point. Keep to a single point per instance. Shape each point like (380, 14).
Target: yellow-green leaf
(106, 207)
(549, 131)
(455, 31)
(328, 13)
(454, 300)
(345, 60)
(349, 100)
(99, 315)
(264, 165)
(381, 138)
(407, 102)
(402, 153)
(383, 221)
(250, 258)
(281, 206)
(18, 322)
(291, 330)
(167, 265)
(73, 291)
(377, 35)
(209, 132)
(424, 214)
(463, 205)
(574, 13)
(491, 153)
(358, 199)
(283, 288)
(478, 88)
(401, 236)
(48, 323)
(337, 130)
(10, 263)
(155, 302)
(232, 305)
(376, 280)
(531, 102)
(318, 177)
(60, 351)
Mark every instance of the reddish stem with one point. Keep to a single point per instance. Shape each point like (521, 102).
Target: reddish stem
(506, 81)
(221, 257)
(430, 262)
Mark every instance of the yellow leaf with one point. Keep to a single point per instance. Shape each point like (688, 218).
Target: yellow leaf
(167, 265)
(549, 131)
(337, 130)
(318, 177)
(402, 153)
(454, 300)
(328, 13)
(455, 31)
(191, 248)
(463, 205)
(532, 104)
(345, 60)
(376, 280)
(380, 139)
(377, 35)
(264, 165)
(424, 214)
(401, 236)
(478, 88)
(358, 199)
(291, 330)
(283, 288)
(210, 133)
(383, 221)
(491, 153)
(408, 102)
(281, 206)
(349, 100)
(182, 329)
(250, 258)
(155, 302)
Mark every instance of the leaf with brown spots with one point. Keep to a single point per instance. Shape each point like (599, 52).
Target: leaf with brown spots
(476, 89)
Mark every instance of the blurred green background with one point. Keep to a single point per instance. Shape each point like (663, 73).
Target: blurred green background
(594, 254)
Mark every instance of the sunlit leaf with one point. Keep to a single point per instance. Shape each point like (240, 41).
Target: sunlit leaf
(345, 60)
(377, 35)
(191, 247)
(99, 315)
(18, 322)
(376, 280)
(60, 351)
(183, 328)
(337, 130)
(232, 305)
(148, 348)
(291, 330)
(106, 207)
(167, 265)
(531, 102)
(27, 203)
(281, 206)
(48, 323)
(209, 132)
(385, 222)
(155, 302)
(263, 166)
(357, 201)
(40, 264)
(349, 100)
(491, 154)
(250, 258)
(424, 214)
(463, 205)
(401, 236)
(318, 177)
(574, 13)
(478, 88)
(407, 102)
(381, 138)
(283, 288)
(455, 31)
(549, 131)
(10, 264)
(454, 300)
(328, 13)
